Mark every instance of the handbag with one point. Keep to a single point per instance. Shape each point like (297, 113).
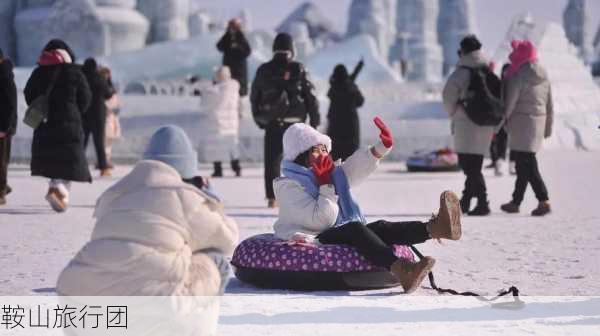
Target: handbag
(37, 111)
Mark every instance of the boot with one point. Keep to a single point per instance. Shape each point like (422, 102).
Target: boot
(106, 172)
(465, 204)
(235, 166)
(542, 209)
(2, 200)
(411, 274)
(271, 203)
(509, 207)
(446, 224)
(482, 209)
(56, 200)
(218, 170)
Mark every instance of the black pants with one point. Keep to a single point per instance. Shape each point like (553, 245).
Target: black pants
(528, 172)
(97, 128)
(273, 154)
(471, 165)
(374, 241)
(499, 145)
(4, 159)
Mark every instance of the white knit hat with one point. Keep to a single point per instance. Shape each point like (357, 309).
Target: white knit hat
(299, 138)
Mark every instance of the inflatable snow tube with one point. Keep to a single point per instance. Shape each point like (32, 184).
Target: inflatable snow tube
(444, 160)
(269, 262)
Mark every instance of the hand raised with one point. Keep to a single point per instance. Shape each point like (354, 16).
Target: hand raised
(385, 135)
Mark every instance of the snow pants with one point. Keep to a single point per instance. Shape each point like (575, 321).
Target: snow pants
(5, 144)
(471, 165)
(374, 241)
(273, 151)
(528, 172)
(97, 128)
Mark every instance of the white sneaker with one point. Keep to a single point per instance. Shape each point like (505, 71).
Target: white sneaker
(512, 168)
(498, 168)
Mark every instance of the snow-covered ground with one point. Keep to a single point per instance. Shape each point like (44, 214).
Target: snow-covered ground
(544, 257)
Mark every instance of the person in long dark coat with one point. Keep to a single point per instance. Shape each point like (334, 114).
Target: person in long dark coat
(94, 122)
(235, 49)
(57, 150)
(8, 120)
(343, 123)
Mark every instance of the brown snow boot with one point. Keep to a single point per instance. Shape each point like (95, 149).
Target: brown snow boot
(542, 209)
(56, 200)
(271, 203)
(446, 224)
(106, 172)
(411, 274)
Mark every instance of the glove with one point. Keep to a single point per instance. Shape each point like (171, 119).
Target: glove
(322, 169)
(386, 136)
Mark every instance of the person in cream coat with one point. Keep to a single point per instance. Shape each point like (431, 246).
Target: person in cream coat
(156, 234)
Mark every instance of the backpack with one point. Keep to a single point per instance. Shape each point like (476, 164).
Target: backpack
(37, 111)
(483, 104)
(273, 102)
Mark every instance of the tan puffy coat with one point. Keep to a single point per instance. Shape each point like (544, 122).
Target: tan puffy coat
(148, 239)
(529, 108)
(469, 138)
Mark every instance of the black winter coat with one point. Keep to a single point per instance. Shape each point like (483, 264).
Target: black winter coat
(57, 149)
(101, 91)
(271, 79)
(8, 99)
(343, 123)
(235, 49)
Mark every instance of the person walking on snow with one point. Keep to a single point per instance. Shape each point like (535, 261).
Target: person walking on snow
(113, 126)
(315, 202)
(156, 233)
(236, 49)
(95, 118)
(529, 119)
(281, 96)
(221, 139)
(57, 149)
(343, 125)
(8, 121)
(471, 141)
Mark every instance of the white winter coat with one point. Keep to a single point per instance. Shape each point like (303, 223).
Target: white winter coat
(469, 138)
(221, 103)
(148, 239)
(302, 216)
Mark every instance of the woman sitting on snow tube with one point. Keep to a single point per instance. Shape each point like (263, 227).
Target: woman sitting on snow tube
(315, 204)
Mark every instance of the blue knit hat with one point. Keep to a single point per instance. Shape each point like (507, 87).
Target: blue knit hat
(170, 144)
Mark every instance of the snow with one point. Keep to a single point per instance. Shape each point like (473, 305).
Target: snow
(552, 260)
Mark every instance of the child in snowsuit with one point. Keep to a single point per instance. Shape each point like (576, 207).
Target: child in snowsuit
(315, 203)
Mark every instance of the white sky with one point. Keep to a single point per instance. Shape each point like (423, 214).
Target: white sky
(493, 16)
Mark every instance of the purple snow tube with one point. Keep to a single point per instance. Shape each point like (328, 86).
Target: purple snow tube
(268, 262)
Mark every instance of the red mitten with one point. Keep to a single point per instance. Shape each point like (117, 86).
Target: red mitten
(385, 135)
(322, 168)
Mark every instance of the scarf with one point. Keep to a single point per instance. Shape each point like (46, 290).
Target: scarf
(523, 52)
(349, 210)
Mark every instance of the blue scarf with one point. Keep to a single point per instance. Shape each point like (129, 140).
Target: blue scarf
(349, 210)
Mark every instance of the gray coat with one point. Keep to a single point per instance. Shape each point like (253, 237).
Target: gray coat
(529, 109)
(469, 138)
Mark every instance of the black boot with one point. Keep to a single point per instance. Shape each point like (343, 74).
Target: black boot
(235, 166)
(218, 170)
(465, 204)
(482, 208)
